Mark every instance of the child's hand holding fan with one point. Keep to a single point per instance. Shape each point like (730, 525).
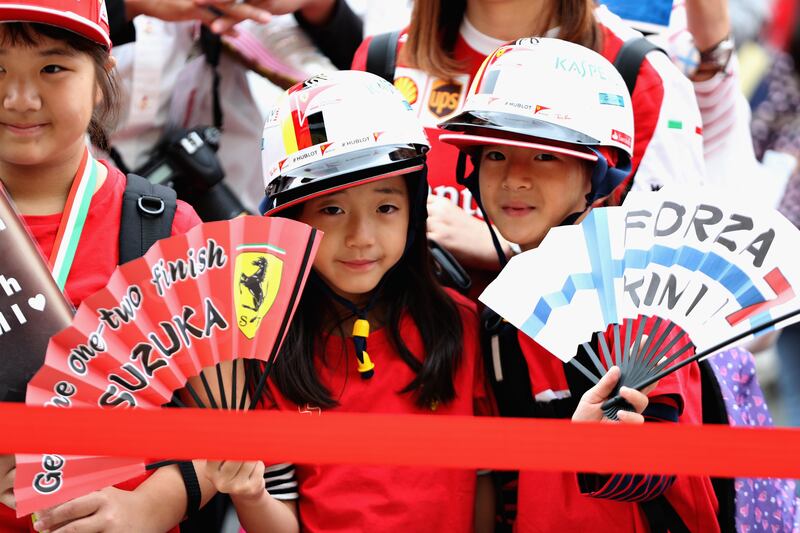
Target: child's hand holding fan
(187, 316)
(665, 275)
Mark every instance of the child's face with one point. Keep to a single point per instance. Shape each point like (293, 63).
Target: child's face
(365, 234)
(48, 93)
(526, 191)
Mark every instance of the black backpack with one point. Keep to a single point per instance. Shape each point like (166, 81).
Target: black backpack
(148, 210)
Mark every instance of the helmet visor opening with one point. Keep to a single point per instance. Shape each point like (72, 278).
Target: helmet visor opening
(349, 170)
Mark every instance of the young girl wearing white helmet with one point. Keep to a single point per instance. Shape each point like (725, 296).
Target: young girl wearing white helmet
(344, 153)
(56, 86)
(549, 128)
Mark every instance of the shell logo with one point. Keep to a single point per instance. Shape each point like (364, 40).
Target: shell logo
(408, 88)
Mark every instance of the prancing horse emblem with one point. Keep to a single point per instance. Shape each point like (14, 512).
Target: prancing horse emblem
(253, 283)
(258, 281)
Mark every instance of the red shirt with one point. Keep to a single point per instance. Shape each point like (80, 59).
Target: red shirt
(553, 501)
(95, 260)
(345, 498)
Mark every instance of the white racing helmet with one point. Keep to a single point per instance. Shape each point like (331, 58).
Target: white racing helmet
(334, 131)
(552, 94)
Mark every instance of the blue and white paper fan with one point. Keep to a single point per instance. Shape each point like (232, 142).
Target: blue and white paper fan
(706, 270)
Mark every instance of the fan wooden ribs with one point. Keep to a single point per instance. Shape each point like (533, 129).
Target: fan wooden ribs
(640, 356)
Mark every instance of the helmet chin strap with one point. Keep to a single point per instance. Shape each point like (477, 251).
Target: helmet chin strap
(366, 368)
(471, 183)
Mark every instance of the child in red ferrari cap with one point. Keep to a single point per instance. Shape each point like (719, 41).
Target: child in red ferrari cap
(57, 85)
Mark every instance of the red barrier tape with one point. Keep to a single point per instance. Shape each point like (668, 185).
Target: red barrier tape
(444, 441)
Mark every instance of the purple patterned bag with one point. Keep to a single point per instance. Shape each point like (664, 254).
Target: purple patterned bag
(762, 504)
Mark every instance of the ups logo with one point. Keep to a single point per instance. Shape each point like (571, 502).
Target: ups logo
(444, 97)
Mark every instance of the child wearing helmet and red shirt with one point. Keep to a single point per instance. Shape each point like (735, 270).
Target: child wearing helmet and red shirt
(344, 153)
(57, 85)
(543, 153)
(439, 54)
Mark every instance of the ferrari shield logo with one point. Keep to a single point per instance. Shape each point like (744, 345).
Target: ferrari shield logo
(257, 279)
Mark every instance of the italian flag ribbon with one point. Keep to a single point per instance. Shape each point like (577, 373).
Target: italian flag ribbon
(73, 219)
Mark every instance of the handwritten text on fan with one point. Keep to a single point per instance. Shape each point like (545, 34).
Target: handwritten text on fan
(155, 350)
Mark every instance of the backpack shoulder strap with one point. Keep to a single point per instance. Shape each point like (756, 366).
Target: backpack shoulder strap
(147, 213)
(382, 55)
(629, 59)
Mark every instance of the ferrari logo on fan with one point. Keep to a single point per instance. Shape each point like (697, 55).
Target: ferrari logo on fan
(257, 279)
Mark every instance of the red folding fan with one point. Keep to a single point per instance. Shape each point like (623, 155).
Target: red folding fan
(224, 291)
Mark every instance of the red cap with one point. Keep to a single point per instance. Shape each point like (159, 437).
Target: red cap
(87, 18)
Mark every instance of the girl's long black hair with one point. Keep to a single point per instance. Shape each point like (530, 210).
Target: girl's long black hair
(410, 288)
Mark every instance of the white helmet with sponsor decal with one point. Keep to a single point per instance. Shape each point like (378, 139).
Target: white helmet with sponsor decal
(334, 131)
(548, 92)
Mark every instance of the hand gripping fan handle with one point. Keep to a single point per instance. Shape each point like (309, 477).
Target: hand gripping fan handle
(614, 405)
(617, 400)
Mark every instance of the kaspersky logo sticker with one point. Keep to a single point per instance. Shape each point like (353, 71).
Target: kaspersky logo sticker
(445, 97)
(257, 278)
(622, 138)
